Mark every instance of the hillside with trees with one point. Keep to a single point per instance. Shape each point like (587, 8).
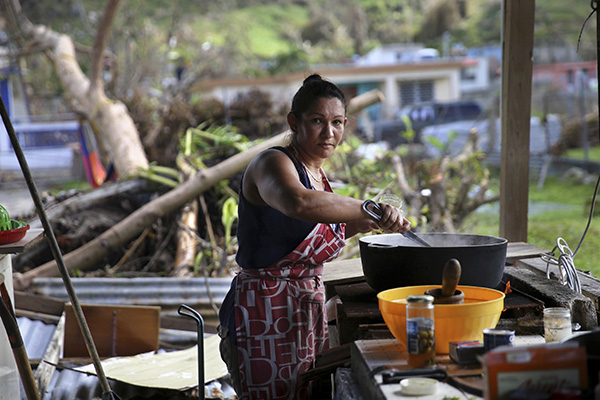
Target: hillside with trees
(151, 38)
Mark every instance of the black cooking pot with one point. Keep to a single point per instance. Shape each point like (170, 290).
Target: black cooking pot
(391, 260)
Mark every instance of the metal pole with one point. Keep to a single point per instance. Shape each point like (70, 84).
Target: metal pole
(85, 331)
(191, 313)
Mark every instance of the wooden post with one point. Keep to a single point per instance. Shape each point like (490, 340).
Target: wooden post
(515, 114)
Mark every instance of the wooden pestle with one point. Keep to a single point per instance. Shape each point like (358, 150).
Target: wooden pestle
(448, 294)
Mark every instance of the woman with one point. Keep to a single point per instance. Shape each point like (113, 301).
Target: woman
(290, 223)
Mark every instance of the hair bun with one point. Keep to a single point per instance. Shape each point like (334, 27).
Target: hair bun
(312, 78)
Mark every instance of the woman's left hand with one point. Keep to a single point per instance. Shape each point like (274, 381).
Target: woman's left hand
(362, 226)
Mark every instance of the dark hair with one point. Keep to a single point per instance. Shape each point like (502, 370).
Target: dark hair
(315, 87)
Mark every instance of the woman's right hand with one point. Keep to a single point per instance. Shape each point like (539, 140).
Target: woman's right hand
(392, 219)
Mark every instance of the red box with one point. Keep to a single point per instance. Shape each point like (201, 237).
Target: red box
(542, 368)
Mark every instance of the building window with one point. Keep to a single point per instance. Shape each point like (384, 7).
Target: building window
(468, 73)
(416, 92)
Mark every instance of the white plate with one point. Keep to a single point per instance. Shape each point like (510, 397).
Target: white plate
(419, 386)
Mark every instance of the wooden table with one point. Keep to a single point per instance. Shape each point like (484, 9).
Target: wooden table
(370, 358)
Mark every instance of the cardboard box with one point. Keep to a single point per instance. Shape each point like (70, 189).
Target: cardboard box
(542, 368)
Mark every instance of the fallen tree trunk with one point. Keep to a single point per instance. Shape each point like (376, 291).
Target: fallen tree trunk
(111, 240)
(84, 201)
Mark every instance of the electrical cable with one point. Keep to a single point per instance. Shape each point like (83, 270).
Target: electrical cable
(566, 265)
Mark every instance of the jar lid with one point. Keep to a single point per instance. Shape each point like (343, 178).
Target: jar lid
(556, 311)
(420, 298)
(419, 386)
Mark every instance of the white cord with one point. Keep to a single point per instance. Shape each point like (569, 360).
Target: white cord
(566, 265)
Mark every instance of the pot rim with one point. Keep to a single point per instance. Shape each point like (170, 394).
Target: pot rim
(373, 240)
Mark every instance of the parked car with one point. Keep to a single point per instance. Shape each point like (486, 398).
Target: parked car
(420, 116)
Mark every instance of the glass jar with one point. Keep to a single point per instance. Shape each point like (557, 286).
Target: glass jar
(420, 331)
(557, 324)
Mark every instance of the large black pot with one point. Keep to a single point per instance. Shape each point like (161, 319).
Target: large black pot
(391, 260)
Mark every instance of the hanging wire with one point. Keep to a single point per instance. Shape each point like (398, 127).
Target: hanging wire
(565, 261)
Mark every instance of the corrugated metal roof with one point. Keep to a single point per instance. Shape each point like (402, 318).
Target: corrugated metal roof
(67, 384)
(36, 336)
(167, 292)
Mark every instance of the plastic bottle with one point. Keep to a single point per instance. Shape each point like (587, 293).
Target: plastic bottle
(420, 331)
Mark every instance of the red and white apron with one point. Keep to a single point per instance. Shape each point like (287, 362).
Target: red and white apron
(280, 318)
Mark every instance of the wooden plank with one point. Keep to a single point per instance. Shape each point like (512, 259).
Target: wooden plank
(45, 370)
(517, 64)
(590, 285)
(31, 237)
(554, 294)
(338, 272)
(38, 303)
(45, 318)
(116, 330)
(520, 250)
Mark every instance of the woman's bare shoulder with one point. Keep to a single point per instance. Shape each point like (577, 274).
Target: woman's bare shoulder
(271, 158)
(270, 169)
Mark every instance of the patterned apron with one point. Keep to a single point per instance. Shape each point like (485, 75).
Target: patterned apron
(280, 318)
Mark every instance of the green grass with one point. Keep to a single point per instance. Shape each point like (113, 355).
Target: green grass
(559, 209)
(593, 153)
(260, 28)
(82, 185)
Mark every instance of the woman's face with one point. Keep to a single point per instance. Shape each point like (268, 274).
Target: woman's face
(320, 129)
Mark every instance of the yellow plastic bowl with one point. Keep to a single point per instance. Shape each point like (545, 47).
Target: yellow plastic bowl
(453, 322)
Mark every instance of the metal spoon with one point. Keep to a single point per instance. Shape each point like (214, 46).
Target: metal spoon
(373, 209)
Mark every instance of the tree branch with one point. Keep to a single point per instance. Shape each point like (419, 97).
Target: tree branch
(102, 34)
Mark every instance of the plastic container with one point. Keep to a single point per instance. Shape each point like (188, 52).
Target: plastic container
(420, 331)
(419, 386)
(14, 235)
(557, 324)
(453, 322)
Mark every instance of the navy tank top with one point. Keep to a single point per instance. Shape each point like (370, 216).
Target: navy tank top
(266, 235)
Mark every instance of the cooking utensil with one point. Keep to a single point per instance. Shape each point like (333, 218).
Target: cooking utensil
(453, 322)
(392, 260)
(373, 209)
(448, 294)
(396, 375)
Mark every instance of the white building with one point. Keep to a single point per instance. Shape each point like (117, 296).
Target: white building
(401, 83)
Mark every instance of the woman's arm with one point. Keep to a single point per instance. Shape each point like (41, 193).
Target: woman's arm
(271, 179)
